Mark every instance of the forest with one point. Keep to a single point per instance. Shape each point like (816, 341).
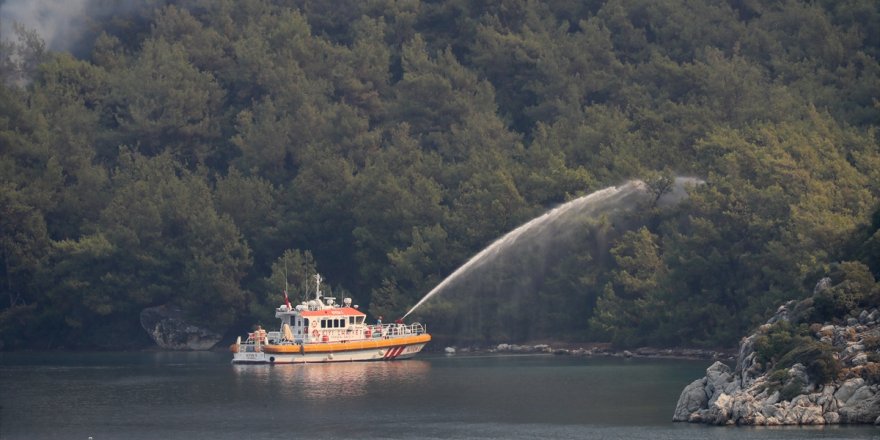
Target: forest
(204, 153)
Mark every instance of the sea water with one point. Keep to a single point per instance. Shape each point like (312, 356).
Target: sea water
(200, 395)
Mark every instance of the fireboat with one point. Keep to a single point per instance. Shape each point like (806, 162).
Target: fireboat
(320, 330)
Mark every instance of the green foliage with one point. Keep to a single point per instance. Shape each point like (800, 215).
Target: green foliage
(784, 344)
(792, 389)
(293, 271)
(199, 144)
(853, 287)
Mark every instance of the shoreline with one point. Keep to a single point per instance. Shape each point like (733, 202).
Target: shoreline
(584, 349)
(595, 350)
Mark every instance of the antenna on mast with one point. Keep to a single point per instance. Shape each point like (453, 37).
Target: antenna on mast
(317, 286)
(286, 299)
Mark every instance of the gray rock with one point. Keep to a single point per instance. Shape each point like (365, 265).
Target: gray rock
(449, 350)
(861, 394)
(812, 415)
(860, 359)
(770, 410)
(798, 372)
(831, 417)
(503, 347)
(860, 410)
(826, 399)
(823, 284)
(746, 368)
(693, 398)
(853, 348)
(720, 410)
(781, 313)
(718, 374)
(743, 396)
(744, 410)
(846, 390)
(168, 327)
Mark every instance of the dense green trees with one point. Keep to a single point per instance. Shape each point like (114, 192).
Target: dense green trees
(201, 150)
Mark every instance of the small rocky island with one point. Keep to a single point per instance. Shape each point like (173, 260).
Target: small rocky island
(792, 371)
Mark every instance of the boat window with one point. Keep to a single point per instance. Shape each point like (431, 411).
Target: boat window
(336, 323)
(305, 322)
(360, 319)
(323, 323)
(351, 320)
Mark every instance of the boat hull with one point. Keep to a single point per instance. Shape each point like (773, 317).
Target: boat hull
(353, 351)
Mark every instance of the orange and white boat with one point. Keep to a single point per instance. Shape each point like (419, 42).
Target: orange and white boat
(319, 330)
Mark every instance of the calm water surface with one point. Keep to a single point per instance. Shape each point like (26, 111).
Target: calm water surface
(158, 395)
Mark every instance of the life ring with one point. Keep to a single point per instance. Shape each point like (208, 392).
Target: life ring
(316, 333)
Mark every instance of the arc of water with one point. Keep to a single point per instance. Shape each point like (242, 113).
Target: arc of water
(677, 192)
(512, 236)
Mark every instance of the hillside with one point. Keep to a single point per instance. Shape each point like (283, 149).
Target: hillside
(199, 153)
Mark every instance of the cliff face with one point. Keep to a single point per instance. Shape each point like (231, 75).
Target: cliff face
(761, 393)
(171, 331)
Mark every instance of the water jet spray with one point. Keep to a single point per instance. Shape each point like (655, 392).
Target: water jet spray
(561, 220)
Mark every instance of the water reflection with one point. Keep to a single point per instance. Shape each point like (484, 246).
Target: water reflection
(332, 380)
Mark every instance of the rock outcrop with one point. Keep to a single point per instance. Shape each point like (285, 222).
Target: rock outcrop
(170, 330)
(748, 394)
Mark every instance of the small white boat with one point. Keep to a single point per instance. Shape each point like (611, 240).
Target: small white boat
(320, 330)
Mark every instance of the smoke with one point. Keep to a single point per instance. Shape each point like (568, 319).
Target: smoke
(59, 23)
(72, 25)
(678, 191)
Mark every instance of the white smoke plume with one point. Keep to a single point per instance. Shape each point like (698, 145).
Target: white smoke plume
(57, 22)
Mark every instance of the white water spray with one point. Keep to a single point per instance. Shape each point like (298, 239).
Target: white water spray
(606, 198)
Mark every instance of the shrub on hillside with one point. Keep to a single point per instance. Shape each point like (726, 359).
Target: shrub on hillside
(784, 345)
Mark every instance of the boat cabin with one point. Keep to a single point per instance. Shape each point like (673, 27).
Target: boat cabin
(322, 320)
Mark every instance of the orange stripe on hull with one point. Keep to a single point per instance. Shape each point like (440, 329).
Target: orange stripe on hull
(346, 346)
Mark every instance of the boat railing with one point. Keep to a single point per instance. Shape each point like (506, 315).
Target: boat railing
(397, 330)
(383, 331)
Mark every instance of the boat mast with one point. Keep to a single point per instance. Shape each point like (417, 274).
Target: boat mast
(318, 287)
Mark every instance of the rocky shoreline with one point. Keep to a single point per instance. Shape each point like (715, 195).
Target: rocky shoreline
(752, 394)
(597, 350)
